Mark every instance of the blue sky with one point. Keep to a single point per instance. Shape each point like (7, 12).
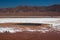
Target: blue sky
(14, 3)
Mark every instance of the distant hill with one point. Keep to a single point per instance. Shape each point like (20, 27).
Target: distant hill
(53, 10)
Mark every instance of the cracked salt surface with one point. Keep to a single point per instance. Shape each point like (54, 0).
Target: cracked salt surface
(54, 21)
(9, 29)
(14, 30)
(57, 28)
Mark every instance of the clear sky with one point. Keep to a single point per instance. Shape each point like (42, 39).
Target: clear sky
(14, 3)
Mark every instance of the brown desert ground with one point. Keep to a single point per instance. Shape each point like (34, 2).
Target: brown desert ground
(30, 36)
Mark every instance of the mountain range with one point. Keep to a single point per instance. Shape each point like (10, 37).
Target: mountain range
(53, 10)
